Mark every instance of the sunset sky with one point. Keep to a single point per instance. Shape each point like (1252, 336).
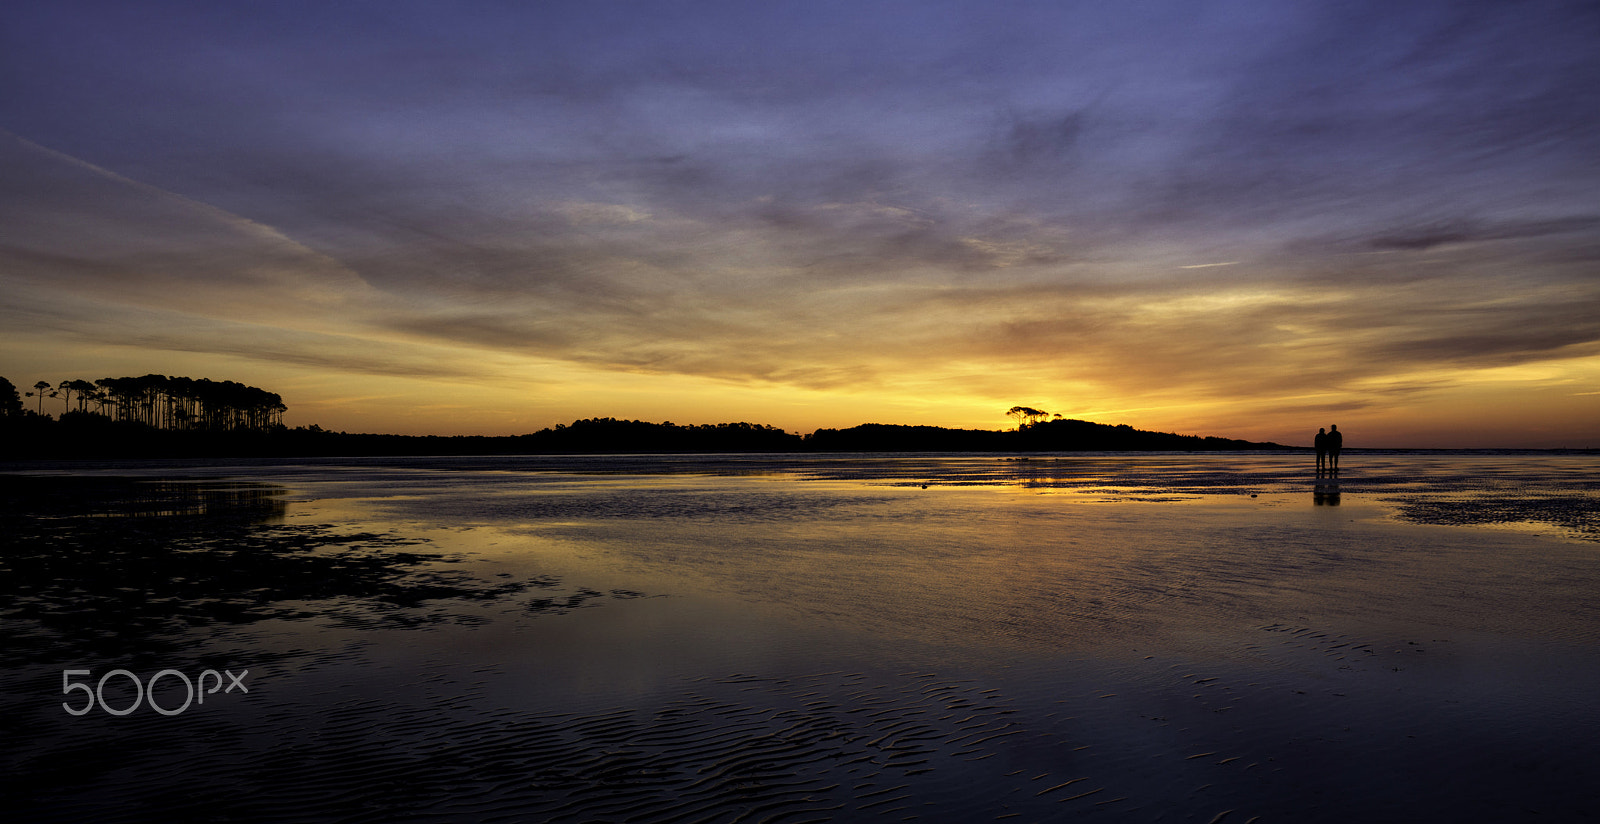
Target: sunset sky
(1247, 219)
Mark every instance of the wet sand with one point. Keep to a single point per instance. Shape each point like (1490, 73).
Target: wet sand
(1135, 640)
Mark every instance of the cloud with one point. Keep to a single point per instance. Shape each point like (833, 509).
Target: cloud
(1171, 201)
(66, 222)
(1423, 238)
(70, 322)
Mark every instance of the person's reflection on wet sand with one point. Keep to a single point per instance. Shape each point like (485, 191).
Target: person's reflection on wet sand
(1325, 493)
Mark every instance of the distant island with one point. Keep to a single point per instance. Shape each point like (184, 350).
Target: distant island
(159, 417)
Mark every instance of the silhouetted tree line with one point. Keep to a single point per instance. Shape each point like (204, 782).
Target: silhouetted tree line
(184, 404)
(612, 435)
(156, 416)
(1068, 435)
(1059, 435)
(884, 437)
(153, 415)
(588, 436)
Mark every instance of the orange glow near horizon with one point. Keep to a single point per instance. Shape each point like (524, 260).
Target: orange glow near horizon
(1232, 240)
(1483, 414)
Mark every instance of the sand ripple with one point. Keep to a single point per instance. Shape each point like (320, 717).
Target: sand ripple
(740, 748)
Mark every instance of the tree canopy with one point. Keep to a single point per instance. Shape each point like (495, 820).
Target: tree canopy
(10, 400)
(1027, 415)
(175, 403)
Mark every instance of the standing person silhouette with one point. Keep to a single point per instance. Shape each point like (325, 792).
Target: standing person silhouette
(1321, 443)
(1335, 443)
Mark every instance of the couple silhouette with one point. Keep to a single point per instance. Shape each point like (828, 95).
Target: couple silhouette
(1328, 444)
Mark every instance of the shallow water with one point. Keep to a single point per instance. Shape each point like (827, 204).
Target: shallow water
(941, 638)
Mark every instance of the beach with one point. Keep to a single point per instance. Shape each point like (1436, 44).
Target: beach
(943, 638)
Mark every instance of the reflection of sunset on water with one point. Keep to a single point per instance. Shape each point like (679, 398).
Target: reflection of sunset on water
(655, 637)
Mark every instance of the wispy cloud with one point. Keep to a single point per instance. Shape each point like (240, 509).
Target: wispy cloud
(1141, 210)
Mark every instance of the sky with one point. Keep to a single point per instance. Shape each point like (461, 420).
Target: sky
(1246, 219)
